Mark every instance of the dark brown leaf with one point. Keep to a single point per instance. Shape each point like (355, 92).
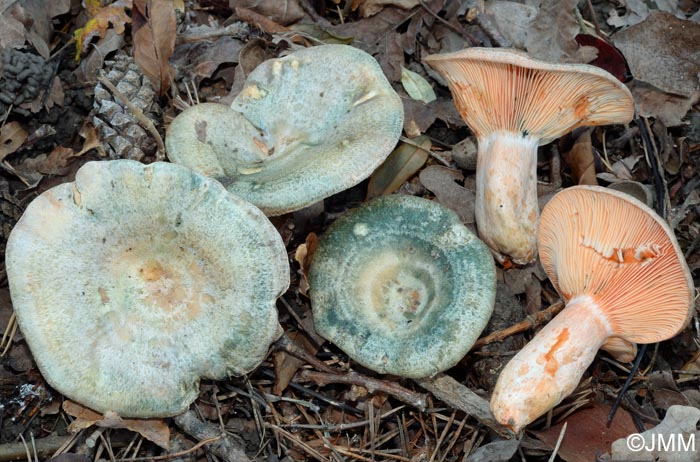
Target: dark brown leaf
(154, 40)
(588, 433)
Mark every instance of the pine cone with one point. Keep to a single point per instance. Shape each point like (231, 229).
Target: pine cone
(24, 75)
(125, 138)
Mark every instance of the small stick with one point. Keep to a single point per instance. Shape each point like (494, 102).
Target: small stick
(453, 393)
(529, 322)
(449, 25)
(286, 344)
(174, 454)
(435, 155)
(140, 117)
(417, 400)
(221, 445)
(45, 447)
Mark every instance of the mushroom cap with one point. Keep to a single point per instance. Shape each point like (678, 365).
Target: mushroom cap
(497, 89)
(402, 286)
(304, 127)
(607, 245)
(134, 281)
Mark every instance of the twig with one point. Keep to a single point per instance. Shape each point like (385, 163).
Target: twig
(174, 454)
(417, 400)
(235, 30)
(9, 335)
(434, 155)
(559, 440)
(531, 321)
(339, 404)
(45, 447)
(594, 19)
(460, 397)
(341, 427)
(140, 117)
(311, 11)
(220, 445)
(449, 25)
(285, 343)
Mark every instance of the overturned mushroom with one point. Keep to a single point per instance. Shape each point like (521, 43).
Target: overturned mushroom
(402, 286)
(513, 104)
(619, 268)
(304, 127)
(134, 281)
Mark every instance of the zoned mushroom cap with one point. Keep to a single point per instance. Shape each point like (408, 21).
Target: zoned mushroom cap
(304, 127)
(402, 286)
(134, 281)
(607, 245)
(497, 89)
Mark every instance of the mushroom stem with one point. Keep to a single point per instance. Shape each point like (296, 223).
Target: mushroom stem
(550, 367)
(506, 195)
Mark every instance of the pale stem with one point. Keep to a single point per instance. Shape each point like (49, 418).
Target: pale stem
(506, 195)
(550, 367)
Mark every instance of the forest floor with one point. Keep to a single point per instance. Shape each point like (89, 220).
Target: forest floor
(308, 400)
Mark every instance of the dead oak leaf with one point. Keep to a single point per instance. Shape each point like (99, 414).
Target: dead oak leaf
(101, 17)
(12, 136)
(155, 430)
(154, 40)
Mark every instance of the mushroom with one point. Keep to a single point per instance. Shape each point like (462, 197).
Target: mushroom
(402, 286)
(304, 127)
(134, 281)
(513, 104)
(623, 276)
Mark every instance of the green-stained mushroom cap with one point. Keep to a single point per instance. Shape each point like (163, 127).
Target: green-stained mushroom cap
(134, 281)
(304, 127)
(402, 286)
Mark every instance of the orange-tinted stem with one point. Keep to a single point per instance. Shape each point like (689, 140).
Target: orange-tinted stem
(550, 367)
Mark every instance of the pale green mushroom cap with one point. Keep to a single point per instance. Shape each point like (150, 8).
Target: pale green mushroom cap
(134, 281)
(402, 286)
(304, 127)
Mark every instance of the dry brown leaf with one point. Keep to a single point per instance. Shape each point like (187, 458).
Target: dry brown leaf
(679, 425)
(92, 140)
(287, 365)
(155, 430)
(580, 159)
(54, 163)
(588, 433)
(552, 34)
(13, 34)
(304, 255)
(89, 66)
(401, 164)
(658, 52)
(154, 32)
(442, 182)
(12, 135)
(101, 18)
(652, 102)
(282, 12)
(372, 7)
(512, 19)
